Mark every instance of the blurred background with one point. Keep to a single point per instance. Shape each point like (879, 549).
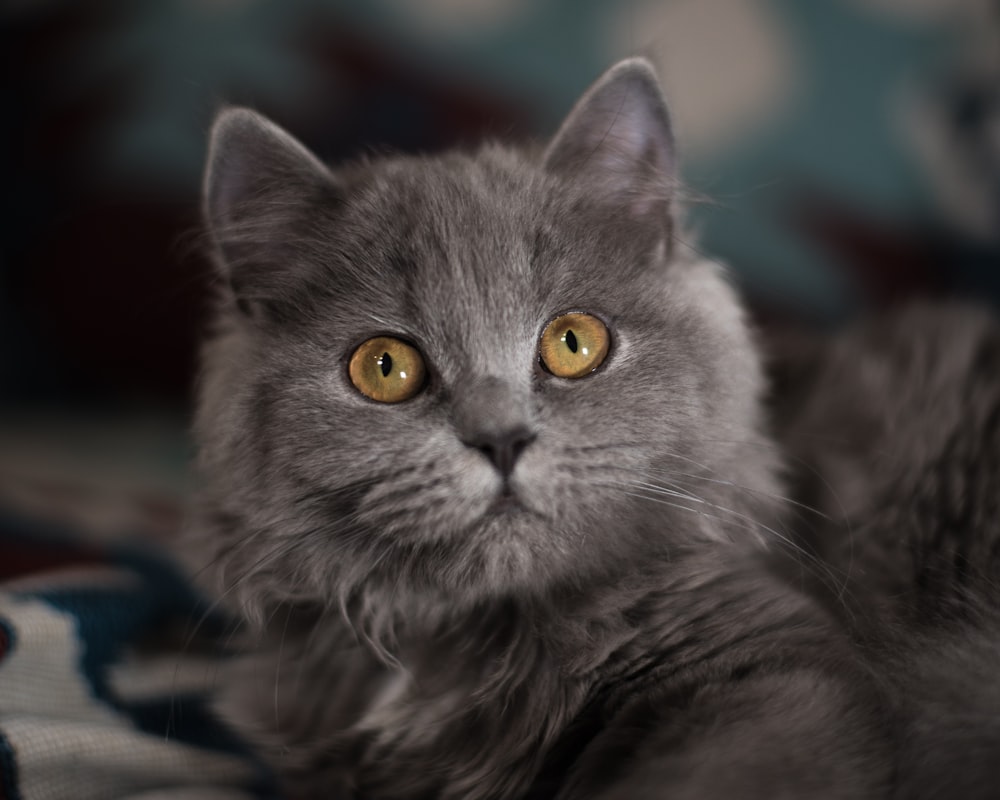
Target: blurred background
(840, 155)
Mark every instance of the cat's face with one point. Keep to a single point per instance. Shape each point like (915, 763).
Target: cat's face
(513, 454)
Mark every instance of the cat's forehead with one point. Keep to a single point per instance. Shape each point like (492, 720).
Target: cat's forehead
(454, 207)
(472, 255)
(457, 264)
(475, 224)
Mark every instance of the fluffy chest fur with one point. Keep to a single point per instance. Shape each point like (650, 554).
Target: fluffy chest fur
(533, 700)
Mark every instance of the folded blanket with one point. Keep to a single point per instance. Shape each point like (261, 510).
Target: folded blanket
(105, 676)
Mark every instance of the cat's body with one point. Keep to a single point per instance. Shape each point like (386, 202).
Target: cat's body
(704, 679)
(895, 427)
(508, 583)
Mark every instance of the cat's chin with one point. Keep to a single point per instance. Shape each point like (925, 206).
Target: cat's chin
(504, 550)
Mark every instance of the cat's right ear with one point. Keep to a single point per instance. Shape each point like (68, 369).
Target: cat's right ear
(259, 184)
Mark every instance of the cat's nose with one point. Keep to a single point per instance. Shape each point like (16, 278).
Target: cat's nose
(495, 416)
(503, 448)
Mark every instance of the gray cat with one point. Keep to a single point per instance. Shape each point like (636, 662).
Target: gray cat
(895, 431)
(483, 462)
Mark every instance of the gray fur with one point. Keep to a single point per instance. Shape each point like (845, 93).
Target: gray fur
(622, 633)
(897, 427)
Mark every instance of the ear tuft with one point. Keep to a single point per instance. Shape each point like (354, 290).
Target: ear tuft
(618, 137)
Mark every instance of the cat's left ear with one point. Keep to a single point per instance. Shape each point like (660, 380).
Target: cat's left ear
(619, 138)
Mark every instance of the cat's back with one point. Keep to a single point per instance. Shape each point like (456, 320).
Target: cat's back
(897, 424)
(896, 428)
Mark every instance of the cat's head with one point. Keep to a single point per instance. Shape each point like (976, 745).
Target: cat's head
(465, 375)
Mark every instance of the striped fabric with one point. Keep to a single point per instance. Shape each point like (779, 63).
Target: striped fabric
(104, 692)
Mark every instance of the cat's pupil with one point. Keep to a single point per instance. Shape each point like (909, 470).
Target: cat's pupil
(571, 342)
(386, 364)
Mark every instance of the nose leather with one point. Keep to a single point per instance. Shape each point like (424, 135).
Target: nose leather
(496, 418)
(504, 449)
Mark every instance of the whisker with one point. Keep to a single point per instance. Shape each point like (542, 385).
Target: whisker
(772, 495)
(749, 523)
(843, 516)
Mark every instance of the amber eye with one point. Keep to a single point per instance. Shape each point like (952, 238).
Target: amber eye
(387, 370)
(574, 345)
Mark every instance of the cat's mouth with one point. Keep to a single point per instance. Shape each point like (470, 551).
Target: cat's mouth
(506, 502)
